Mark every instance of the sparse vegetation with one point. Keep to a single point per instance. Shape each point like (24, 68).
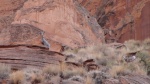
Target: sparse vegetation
(33, 75)
(67, 73)
(4, 71)
(89, 80)
(52, 70)
(17, 77)
(133, 45)
(109, 60)
(112, 58)
(146, 43)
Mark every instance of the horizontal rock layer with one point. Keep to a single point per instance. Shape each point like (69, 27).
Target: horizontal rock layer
(22, 56)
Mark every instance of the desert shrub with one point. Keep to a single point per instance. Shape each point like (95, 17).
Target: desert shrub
(97, 76)
(89, 80)
(146, 43)
(127, 68)
(96, 52)
(33, 75)
(144, 57)
(70, 51)
(79, 71)
(17, 77)
(133, 45)
(52, 69)
(136, 69)
(118, 70)
(111, 57)
(4, 71)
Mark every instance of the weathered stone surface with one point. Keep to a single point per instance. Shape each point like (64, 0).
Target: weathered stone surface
(121, 19)
(138, 79)
(22, 56)
(7, 11)
(70, 82)
(64, 22)
(91, 5)
(24, 34)
(111, 81)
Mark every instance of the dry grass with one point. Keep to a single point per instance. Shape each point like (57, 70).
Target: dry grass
(137, 69)
(133, 45)
(67, 73)
(33, 75)
(96, 52)
(52, 69)
(17, 77)
(117, 70)
(127, 68)
(89, 80)
(63, 66)
(112, 58)
(4, 71)
(36, 78)
(146, 43)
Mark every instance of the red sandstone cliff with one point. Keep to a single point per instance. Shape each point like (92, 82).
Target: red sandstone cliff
(65, 23)
(121, 19)
(68, 23)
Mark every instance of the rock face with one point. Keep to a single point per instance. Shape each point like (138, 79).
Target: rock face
(121, 19)
(64, 22)
(137, 79)
(23, 56)
(7, 11)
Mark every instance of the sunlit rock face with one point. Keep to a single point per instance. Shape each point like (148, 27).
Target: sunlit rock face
(64, 22)
(7, 11)
(121, 19)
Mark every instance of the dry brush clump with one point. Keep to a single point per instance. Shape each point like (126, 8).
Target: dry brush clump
(146, 43)
(133, 45)
(17, 77)
(52, 69)
(33, 75)
(26, 76)
(68, 73)
(5, 70)
(97, 76)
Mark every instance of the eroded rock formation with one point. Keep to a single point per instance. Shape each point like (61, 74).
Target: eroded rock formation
(64, 22)
(23, 56)
(69, 23)
(121, 19)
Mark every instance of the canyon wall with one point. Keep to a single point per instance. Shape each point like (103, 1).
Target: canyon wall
(121, 19)
(65, 23)
(73, 23)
